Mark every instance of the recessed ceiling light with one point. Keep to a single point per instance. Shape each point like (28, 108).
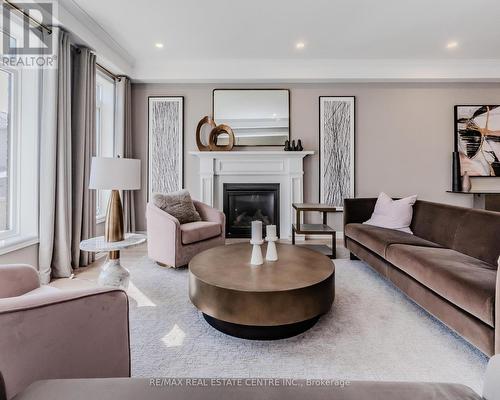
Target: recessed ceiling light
(452, 45)
(159, 45)
(300, 45)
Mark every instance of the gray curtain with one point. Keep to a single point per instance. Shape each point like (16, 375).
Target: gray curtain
(83, 105)
(123, 140)
(67, 206)
(55, 166)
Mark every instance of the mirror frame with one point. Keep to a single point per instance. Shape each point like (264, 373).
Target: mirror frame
(258, 145)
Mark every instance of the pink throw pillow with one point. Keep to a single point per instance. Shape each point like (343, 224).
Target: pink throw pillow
(393, 214)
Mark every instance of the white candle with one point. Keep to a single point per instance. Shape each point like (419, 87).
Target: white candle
(256, 231)
(271, 231)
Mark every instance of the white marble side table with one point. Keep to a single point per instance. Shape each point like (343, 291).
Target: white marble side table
(112, 273)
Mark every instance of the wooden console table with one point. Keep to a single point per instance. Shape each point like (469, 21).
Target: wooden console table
(483, 199)
(315, 229)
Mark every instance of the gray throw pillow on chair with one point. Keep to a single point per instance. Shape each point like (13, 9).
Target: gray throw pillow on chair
(178, 204)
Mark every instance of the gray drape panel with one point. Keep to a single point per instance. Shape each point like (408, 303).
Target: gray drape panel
(123, 140)
(83, 148)
(67, 206)
(55, 166)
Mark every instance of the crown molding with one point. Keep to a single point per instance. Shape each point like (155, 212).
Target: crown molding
(87, 31)
(318, 70)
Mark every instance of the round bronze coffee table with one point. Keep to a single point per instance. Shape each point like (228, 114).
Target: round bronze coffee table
(271, 301)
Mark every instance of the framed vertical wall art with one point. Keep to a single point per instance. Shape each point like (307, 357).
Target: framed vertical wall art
(477, 139)
(336, 149)
(165, 144)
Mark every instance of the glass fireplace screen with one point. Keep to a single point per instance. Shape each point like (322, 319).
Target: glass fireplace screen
(244, 203)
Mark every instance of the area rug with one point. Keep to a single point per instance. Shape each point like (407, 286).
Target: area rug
(320, 248)
(373, 332)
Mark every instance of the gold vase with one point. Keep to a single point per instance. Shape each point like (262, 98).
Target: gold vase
(113, 228)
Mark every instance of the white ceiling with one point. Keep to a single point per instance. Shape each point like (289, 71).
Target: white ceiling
(237, 39)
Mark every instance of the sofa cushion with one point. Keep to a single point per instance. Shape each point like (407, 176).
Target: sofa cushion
(44, 289)
(142, 388)
(467, 282)
(377, 239)
(436, 222)
(193, 232)
(478, 235)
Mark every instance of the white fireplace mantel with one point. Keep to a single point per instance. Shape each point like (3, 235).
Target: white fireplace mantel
(283, 167)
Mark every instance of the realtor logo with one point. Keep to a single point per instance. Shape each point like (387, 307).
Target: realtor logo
(26, 40)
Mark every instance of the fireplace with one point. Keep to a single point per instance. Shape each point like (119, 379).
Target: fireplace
(285, 168)
(246, 202)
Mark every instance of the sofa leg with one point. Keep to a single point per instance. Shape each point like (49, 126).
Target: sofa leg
(352, 256)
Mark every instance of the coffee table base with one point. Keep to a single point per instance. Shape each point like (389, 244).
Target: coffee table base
(261, 332)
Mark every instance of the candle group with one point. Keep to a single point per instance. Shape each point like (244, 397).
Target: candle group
(256, 231)
(272, 253)
(271, 231)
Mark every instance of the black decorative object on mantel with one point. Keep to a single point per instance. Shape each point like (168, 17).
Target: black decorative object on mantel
(293, 146)
(456, 184)
(299, 145)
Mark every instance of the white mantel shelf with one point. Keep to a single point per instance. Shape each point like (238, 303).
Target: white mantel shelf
(226, 154)
(264, 166)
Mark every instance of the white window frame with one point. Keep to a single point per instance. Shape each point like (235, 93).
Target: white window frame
(24, 153)
(23, 162)
(100, 208)
(13, 155)
(102, 196)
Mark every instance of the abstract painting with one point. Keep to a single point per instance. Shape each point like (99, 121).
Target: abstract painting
(336, 142)
(477, 139)
(165, 148)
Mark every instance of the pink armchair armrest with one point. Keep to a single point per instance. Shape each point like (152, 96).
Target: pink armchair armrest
(164, 235)
(63, 334)
(211, 214)
(17, 279)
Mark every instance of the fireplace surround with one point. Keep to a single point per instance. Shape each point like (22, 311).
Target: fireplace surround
(246, 202)
(285, 168)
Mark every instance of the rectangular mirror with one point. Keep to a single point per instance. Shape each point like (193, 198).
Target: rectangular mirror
(258, 117)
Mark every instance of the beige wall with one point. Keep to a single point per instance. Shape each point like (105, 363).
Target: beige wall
(404, 133)
(26, 255)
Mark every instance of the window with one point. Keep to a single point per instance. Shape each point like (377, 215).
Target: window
(5, 152)
(19, 132)
(20, 94)
(105, 115)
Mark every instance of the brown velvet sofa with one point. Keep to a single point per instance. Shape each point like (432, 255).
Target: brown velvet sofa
(448, 266)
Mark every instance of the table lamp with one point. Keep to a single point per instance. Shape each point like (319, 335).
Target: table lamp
(109, 173)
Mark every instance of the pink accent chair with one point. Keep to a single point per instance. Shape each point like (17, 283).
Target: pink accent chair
(50, 333)
(172, 244)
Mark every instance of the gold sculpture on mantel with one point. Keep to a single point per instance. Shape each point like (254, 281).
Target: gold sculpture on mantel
(214, 133)
(203, 121)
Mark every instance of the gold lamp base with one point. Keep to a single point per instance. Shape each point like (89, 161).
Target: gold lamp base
(113, 228)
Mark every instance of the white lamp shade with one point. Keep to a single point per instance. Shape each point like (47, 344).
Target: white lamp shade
(115, 173)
